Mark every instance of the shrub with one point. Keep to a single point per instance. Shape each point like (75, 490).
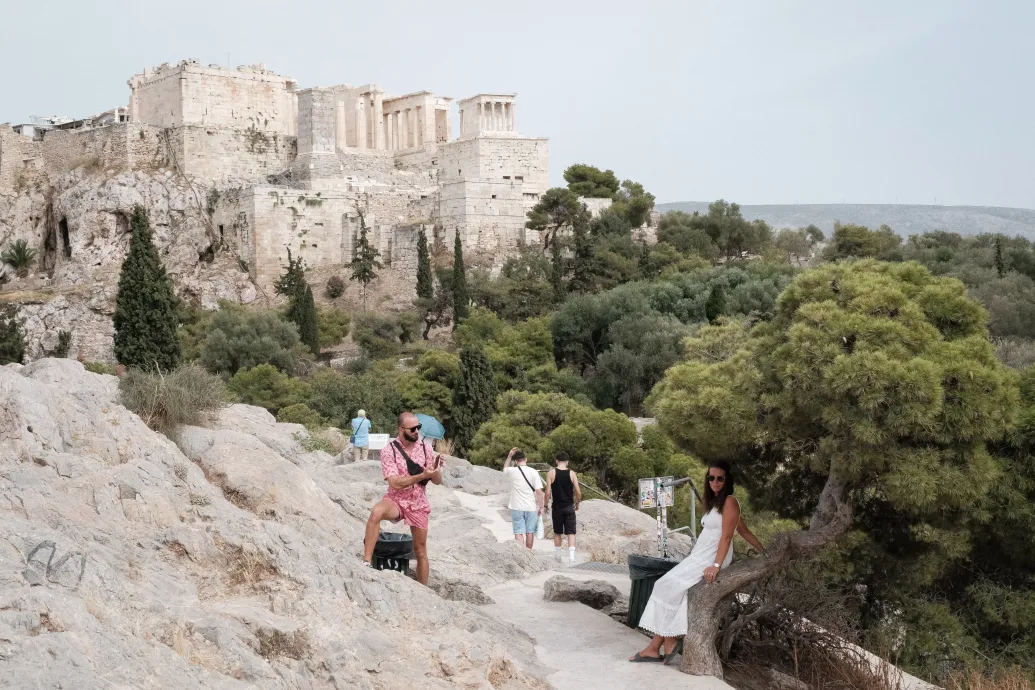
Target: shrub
(239, 339)
(63, 345)
(187, 395)
(335, 287)
(333, 326)
(12, 341)
(299, 413)
(336, 397)
(99, 368)
(264, 385)
(382, 337)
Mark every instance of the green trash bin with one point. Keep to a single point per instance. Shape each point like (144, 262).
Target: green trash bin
(644, 571)
(393, 551)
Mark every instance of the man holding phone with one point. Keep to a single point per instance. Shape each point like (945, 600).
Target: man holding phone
(407, 466)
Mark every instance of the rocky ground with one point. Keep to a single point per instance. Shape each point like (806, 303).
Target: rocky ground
(230, 558)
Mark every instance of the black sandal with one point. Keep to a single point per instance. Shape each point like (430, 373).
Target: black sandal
(644, 659)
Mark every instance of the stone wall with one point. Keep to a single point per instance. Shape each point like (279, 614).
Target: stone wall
(21, 160)
(188, 94)
(220, 155)
(117, 147)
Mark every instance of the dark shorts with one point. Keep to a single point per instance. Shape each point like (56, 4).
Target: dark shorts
(563, 519)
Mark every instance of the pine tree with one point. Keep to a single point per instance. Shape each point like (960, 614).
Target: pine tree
(364, 261)
(303, 314)
(557, 270)
(461, 299)
(145, 307)
(474, 400)
(12, 342)
(425, 284)
(1000, 267)
(716, 304)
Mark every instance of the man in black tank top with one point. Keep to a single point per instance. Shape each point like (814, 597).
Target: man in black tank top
(562, 485)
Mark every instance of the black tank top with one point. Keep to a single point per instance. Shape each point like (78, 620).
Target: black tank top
(562, 488)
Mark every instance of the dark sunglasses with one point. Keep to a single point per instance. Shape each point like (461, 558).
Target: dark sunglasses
(721, 479)
(411, 428)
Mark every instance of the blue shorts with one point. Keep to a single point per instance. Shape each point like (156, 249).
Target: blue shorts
(524, 521)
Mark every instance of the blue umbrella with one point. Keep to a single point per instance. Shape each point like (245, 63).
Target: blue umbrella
(431, 427)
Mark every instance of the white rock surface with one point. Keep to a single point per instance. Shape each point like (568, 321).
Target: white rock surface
(128, 563)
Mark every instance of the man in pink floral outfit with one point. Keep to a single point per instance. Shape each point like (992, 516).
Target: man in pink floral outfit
(406, 499)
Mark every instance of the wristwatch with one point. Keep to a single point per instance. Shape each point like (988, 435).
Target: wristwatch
(717, 565)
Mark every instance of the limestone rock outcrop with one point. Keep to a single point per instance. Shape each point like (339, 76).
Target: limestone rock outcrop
(228, 560)
(596, 594)
(610, 532)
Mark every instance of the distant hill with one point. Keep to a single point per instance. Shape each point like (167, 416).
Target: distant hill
(904, 219)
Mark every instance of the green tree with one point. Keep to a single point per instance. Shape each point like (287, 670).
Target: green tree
(425, 281)
(12, 341)
(797, 243)
(686, 233)
(474, 399)
(145, 306)
(589, 182)
(633, 203)
(365, 263)
(582, 253)
(461, 298)
(557, 208)
(859, 242)
(436, 310)
(19, 256)
(266, 386)
(234, 338)
(292, 281)
(1000, 266)
(332, 325)
(302, 313)
(557, 271)
(873, 381)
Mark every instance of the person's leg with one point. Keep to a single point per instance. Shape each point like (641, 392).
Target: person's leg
(384, 510)
(420, 550)
(517, 523)
(363, 453)
(569, 529)
(529, 540)
(653, 649)
(531, 518)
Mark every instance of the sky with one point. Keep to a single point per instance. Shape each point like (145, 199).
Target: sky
(754, 101)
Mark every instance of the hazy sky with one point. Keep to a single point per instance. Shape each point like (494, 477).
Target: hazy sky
(763, 101)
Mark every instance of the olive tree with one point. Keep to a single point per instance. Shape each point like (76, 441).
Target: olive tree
(872, 383)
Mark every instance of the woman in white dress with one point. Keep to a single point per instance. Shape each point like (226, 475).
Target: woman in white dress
(666, 613)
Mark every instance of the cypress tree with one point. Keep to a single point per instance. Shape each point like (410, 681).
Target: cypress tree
(364, 261)
(1000, 267)
(716, 304)
(292, 282)
(582, 261)
(303, 314)
(145, 307)
(425, 284)
(461, 299)
(557, 271)
(474, 400)
(12, 343)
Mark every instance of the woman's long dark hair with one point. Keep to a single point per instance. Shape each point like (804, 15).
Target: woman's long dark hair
(717, 500)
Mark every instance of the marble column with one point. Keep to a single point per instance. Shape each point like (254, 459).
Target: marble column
(361, 124)
(377, 117)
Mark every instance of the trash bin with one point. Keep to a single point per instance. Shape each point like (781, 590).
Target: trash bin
(644, 571)
(393, 551)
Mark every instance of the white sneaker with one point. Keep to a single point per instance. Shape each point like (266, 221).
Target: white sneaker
(557, 556)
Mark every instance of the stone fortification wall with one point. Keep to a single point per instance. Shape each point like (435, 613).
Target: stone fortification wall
(488, 184)
(249, 97)
(21, 159)
(219, 154)
(117, 147)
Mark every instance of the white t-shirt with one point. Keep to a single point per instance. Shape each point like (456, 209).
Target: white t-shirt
(521, 496)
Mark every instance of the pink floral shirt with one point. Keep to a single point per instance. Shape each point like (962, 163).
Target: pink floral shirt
(412, 498)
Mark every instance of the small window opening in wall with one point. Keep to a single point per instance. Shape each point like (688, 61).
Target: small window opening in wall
(220, 233)
(459, 172)
(493, 196)
(434, 161)
(313, 246)
(519, 177)
(66, 243)
(423, 196)
(506, 177)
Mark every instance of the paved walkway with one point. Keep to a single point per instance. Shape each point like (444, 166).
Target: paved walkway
(587, 648)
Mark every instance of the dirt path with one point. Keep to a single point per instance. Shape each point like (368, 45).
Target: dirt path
(587, 648)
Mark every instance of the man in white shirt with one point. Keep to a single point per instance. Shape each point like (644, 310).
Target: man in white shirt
(526, 497)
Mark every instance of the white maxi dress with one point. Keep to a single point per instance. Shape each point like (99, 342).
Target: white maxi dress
(666, 612)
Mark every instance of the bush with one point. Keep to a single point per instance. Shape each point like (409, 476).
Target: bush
(19, 256)
(337, 397)
(266, 386)
(332, 325)
(99, 368)
(187, 395)
(239, 339)
(63, 345)
(335, 287)
(300, 413)
(382, 337)
(12, 341)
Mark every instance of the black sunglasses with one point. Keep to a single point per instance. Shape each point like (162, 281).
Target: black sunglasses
(411, 428)
(721, 478)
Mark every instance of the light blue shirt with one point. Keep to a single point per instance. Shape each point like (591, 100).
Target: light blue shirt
(360, 429)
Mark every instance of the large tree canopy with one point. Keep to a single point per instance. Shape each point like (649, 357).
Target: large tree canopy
(872, 381)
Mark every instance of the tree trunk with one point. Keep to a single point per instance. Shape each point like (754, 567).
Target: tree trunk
(830, 520)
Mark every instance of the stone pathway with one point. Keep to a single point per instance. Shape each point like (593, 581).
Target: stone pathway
(587, 648)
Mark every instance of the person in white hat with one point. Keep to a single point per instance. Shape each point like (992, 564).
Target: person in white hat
(360, 435)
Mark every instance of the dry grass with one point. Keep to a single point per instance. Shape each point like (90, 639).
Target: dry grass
(189, 395)
(444, 446)
(245, 567)
(1013, 679)
(275, 644)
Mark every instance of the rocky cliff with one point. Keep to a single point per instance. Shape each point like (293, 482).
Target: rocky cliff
(226, 560)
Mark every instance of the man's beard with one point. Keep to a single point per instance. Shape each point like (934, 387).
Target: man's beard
(410, 436)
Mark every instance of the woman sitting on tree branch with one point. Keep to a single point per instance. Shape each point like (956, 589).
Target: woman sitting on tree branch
(666, 612)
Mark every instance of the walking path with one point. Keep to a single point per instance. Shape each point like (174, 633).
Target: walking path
(587, 648)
